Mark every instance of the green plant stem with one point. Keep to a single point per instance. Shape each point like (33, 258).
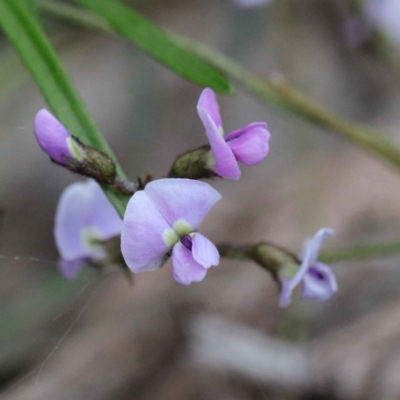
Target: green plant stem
(274, 91)
(373, 251)
(75, 14)
(366, 252)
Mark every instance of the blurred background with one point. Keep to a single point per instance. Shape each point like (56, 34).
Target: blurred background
(101, 338)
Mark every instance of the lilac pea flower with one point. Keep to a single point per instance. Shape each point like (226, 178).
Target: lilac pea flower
(317, 279)
(163, 219)
(385, 15)
(248, 145)
(55, 140)
(84, 216)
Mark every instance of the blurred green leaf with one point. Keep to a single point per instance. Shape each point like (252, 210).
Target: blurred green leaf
(159, 44)
(35, 50)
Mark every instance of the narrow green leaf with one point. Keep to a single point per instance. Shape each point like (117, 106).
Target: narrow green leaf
(159, 44)
(35, 50)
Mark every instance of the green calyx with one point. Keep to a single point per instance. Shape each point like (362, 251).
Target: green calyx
(91, 162)
(193, 165)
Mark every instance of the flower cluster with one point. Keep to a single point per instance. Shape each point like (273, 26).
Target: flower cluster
(162, 219)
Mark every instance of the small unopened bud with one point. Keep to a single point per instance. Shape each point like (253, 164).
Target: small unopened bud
(193, 164)
(68, 151)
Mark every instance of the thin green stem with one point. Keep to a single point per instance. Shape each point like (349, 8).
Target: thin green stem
(74, 14)
(243, 252)
(362, 253)
(275, 91)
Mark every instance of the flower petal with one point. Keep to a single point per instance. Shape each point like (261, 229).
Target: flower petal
(239, 132)
(208, 102)
(308, 266)
(182, 202)
(104, 216)
(71, 268)
(226, 164)
(83, 210)
(384, 14)
(319, 283)
(250, 144)
(204, 251)
(185, 269)
(73, 215)
(285, 296)
(316, 242)
(145, 236)
(52, 136)
(288, 285)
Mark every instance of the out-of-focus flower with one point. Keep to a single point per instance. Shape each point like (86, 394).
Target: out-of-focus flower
(162, 220)
(317, 279)
(385, 14)
(84, 218)
(55, 140)
(356, 31)
(248, 145)
(66, 150)
(252, 3)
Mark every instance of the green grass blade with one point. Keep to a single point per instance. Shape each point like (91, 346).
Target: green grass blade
(35, 50)
(159, 44)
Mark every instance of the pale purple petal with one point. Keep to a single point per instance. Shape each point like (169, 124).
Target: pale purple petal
(73, 214)
(182, 200)
(319, 283)
(241, 131)
(84, 208)
(288, 285)
(70, 269)
(185, 269)
(309, 263)
(144, 236)
(52, 136)
(104, 216)
(225, 162)
(385, 15)
(250, 144)
(208, 102)
(204, 251)
(285, 296)
(316, 242)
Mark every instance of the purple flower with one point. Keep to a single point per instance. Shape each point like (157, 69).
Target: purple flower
(356, 31)
(54, 138)
(317, 279)
(84, 216)
(163, 219)
(248, 145)
(385, 15)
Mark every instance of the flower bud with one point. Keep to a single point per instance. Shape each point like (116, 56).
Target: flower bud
(67, 150)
